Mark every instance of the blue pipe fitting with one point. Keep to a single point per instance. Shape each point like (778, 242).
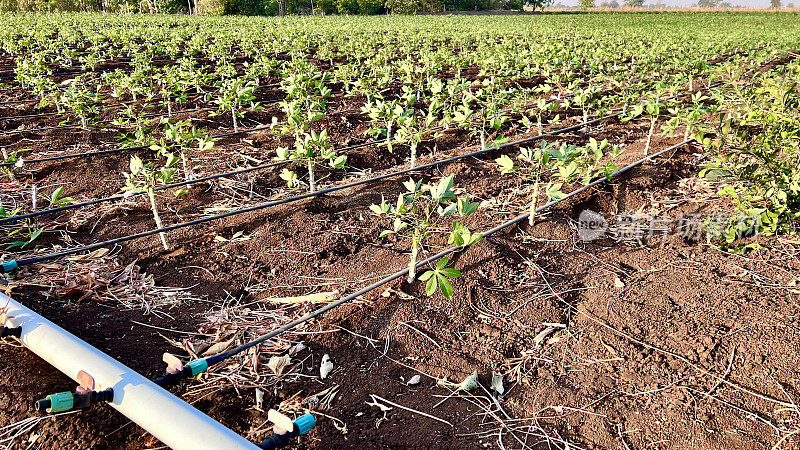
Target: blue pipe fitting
(302, 425)
(8, 266)
(198, 366)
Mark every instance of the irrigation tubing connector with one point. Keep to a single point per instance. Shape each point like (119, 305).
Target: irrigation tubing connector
(8, 266)
(300, 426)
(198, 366)
(71, 401)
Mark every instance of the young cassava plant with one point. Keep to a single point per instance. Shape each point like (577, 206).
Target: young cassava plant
(144, 178)
(310, 148)
(418, 213)
(181, 136)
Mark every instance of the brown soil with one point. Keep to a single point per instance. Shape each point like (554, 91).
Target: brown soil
(655, 345)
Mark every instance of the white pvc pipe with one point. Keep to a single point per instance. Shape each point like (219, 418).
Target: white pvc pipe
(171, 420)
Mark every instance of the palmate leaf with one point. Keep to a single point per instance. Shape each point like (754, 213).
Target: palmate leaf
(290, 177)
(439, 279)
(506, 164)
(443, 190)
(445, 286)
(431, 285)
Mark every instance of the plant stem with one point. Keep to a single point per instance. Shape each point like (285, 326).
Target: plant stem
(311, 175)
(532, 218)
(650, 135)
(412, 265)
(186, 174)
(162, 235)
(413, 153)
(235, 125)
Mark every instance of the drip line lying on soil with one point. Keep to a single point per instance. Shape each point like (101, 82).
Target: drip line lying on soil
(355, 146)
(267, 204)
(132, 194)
(246, 170)
(198, 109)
(191, 368)
(11, 265)
(113, 106)
(263, 166)
(122, 149)
(104, 69)
(102, 122)
(129, 60)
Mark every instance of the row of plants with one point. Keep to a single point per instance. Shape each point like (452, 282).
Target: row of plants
(754, 148)
(406, 102)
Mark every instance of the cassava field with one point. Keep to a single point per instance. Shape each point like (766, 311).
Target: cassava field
(577, 230)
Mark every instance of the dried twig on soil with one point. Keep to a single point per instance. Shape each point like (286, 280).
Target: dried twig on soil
(375, 398)
(233, 323)
(9, 434)
(101, 277)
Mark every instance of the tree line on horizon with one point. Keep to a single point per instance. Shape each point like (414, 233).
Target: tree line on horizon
(270, 7)
(316, 7)
(588, 4)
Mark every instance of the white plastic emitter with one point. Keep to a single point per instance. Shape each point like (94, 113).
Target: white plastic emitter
(168, 418)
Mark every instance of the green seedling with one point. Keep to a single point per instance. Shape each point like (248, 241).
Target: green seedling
(144, 178)
(439, 278)
(311, 148)
(234, 95)
(57, 198)
(181, 136)
(418, 211)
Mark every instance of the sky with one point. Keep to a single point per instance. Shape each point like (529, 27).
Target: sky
(747, 3)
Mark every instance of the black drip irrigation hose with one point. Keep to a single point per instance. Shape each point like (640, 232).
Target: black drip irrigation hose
(355, 146)
(122, 149)
(135, 193)
(102, 122)
(56, 113)
(130, 59)
(11, 265)
(352, 147)
(199, 180)
(121, 104)
(57, 74)
(104, 69)
(200, 365)
(104, 152)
